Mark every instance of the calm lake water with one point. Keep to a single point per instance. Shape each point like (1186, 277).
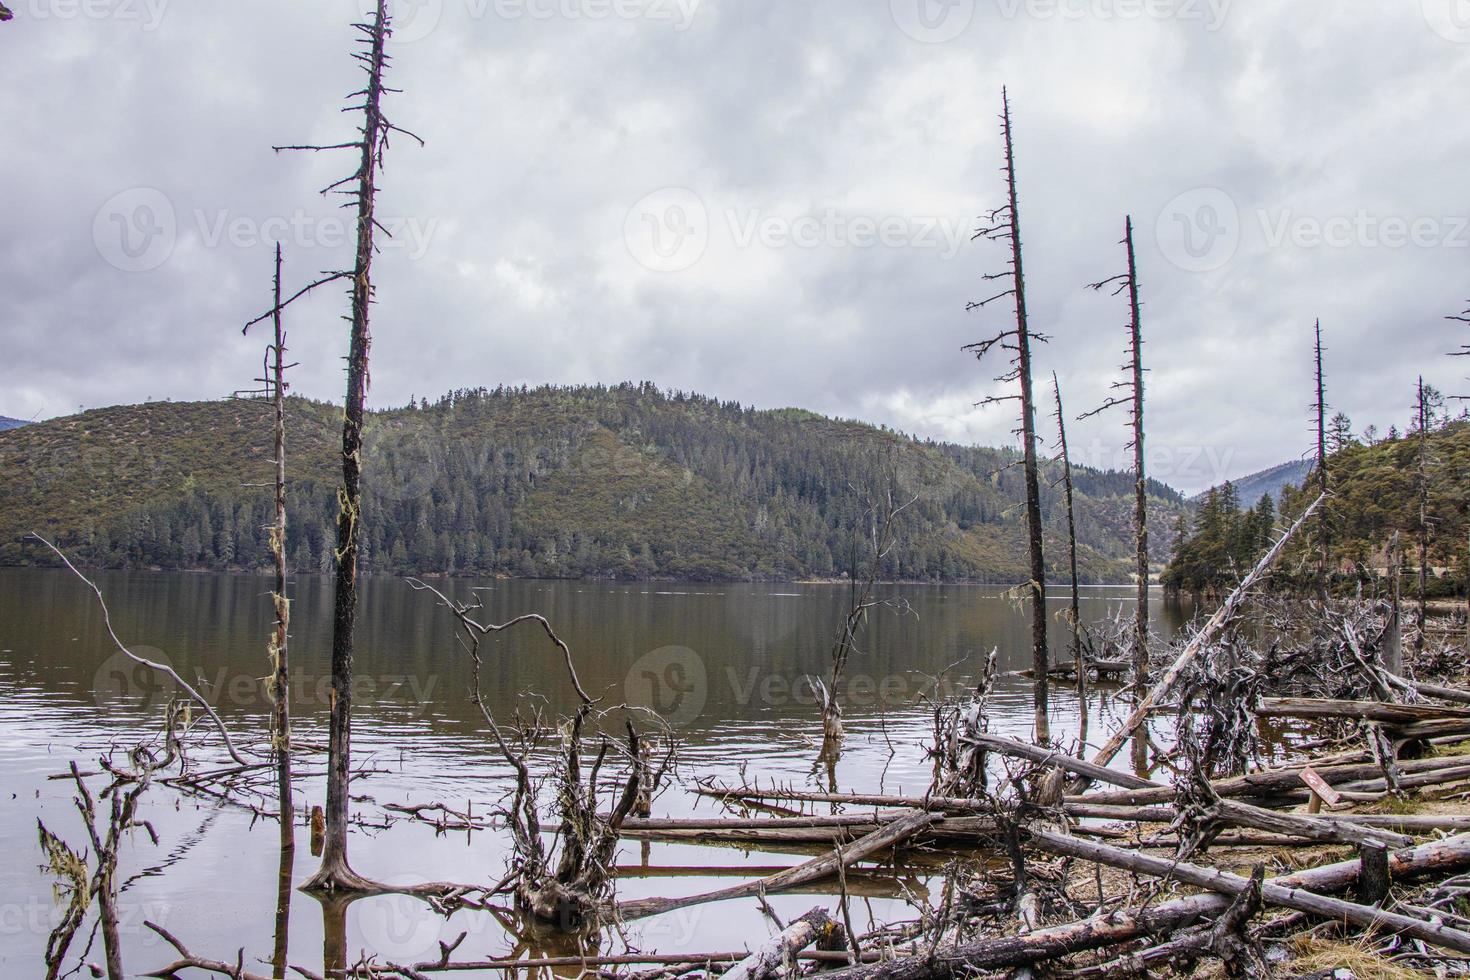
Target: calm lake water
(726, 663)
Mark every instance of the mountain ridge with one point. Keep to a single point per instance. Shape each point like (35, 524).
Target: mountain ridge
(627, 481)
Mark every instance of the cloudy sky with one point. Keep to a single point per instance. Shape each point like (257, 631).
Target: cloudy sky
(764, 200)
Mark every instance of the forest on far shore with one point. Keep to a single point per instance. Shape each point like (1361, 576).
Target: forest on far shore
(627, 481)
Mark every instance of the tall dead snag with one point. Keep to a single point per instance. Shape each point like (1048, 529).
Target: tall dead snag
(336, 873)
(1133, 385)
(274, 380)
(881, 519)
(1324, 565)
(1464, 351)
(1004, 225)
(1075, 612)
(1393, 644)
(1422, 488)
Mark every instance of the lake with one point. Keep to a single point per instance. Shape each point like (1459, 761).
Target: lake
(726, 663)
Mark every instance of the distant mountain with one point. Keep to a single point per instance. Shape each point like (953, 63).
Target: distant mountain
(1274, 481)
(7, 423)
(629, 481)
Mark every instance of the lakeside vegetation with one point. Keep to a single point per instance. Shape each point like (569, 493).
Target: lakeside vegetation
(1375, 494)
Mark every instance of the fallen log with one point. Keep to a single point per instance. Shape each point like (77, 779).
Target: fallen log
(1273, 893)
(691, 960)
(1406, 824)
(1387, 712)
(1047, 757)
(1202, 639)
(815, 870)
(1275, 782)
(948, 804)
(1004, 952)
(954, 829)
(1443, 728)
(771, 958)
(1454, 694)
(1327, 830)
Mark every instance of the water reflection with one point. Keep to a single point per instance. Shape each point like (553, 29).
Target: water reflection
(730, 665)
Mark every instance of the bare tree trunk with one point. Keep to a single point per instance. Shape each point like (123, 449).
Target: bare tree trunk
(1134, 384)
(1393, 641)
(1324, 558)
(1018, 340)
(1423, 514)
(1140, 489)
(336, 873)
(281, 679)
(1039, 653)
(1076, 608)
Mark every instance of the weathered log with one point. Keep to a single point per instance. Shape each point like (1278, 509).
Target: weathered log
(1275, 782)
(1036, 753)
(1318, 828)
(770, 959)
(1406, 824)
(1002, 952)
(1428, 777)
(948, 804)
(814, 870)
(1424, 730)
(1283, 896)
(690, 960)
(1381, 711)
(1454, 694)
(1202, 639)
(799, 831)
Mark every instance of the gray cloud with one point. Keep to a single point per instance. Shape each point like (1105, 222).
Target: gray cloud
(809, 170)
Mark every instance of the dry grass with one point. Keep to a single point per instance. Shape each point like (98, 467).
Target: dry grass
(1312, 955)
(1397, 806)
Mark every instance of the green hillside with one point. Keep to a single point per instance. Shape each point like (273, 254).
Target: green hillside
(1375, 492)
(627, 481)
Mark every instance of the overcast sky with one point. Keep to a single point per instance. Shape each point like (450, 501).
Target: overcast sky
(764, 201)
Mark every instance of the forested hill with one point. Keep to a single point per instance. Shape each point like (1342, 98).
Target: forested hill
(553, 482)
(1375, 493)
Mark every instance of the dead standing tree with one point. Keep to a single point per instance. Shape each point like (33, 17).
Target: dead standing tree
(1075, 611)
(274, 380)
(567, 884)
(1464, 351)
(78, 882)
(1421, 480)
(1319, 407)
(1133, 385)
(1004, 225)
(880, 535)
(335, 873)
